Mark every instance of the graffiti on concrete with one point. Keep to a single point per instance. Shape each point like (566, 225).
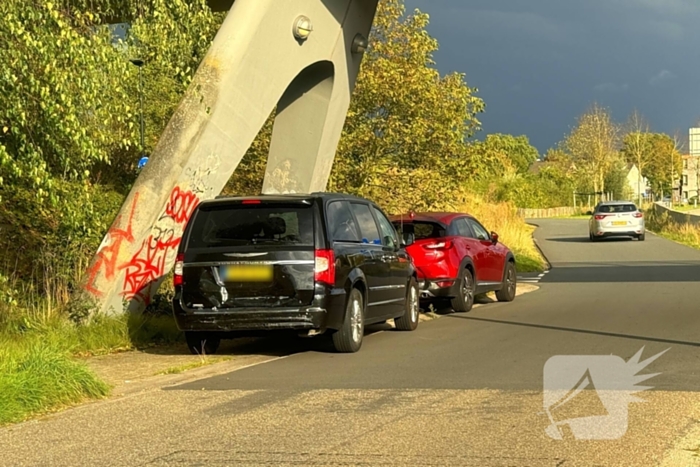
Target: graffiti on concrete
(181, 205)
(150, 262)
(108, 253)
(153, 259)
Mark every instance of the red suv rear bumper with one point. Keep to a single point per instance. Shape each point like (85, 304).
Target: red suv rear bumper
(438, 288)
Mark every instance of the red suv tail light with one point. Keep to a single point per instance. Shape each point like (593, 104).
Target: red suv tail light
(443, 245)
(638, 215)
(324, 267)
(177, 271)
(600, 217)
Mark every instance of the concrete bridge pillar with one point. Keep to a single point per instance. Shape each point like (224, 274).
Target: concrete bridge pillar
(258, 62)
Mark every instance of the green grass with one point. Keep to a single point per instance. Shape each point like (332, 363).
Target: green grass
(38, 375)
(38, 369)
(527, 262)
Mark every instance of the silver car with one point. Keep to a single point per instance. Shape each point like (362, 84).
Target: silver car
(616, 219)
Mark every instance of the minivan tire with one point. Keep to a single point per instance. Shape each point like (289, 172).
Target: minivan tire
(411, 315)
(348, 339)
(509, 285)
(464, 301)
(202, 343)
(641, 237)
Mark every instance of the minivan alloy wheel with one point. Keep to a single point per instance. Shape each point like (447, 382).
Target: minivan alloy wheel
(349, 337)
(415, 307)
(411, 314)
(356, 322)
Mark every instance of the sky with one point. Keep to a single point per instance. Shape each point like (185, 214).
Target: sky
(539, 64)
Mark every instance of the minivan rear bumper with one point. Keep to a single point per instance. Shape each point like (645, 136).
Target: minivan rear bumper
(325, 313)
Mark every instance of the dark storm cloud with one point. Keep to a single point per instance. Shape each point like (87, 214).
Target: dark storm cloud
(539, 64)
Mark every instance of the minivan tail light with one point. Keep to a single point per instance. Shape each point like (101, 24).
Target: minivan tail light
(177, 271)
(600, 217)
(638, 215)
(324, 267)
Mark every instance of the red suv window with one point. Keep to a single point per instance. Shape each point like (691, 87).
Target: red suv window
(425, 230)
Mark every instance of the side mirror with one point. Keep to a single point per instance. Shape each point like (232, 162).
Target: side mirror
(494, 237)
(589, 213)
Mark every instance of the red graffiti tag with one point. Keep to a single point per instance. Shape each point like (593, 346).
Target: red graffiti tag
(181, 205)
(106, 258)
(148, 264)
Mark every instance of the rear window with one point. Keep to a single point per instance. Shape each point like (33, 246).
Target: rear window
(221, 226)
(424, 230)
(617, 208)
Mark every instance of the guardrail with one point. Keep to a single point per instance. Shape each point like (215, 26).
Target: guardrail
(678, 217)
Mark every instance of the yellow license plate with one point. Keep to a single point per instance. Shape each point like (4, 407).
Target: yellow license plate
(263, 273)
(619, 223)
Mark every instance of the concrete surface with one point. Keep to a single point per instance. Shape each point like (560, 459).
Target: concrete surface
(465, 389)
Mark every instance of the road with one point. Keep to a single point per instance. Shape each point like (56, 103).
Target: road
(466, 389)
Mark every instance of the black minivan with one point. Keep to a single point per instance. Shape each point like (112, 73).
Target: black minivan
(314, 264)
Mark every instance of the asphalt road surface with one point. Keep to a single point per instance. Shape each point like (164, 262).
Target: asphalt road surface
(466, 389)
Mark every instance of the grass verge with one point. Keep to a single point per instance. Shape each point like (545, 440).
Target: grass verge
(38, 375)
(38, 369)
(664, 226)
(503, 218)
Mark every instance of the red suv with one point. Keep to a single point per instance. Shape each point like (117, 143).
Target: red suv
(456, 258)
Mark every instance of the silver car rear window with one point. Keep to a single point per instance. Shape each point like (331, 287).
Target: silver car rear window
(612, 208)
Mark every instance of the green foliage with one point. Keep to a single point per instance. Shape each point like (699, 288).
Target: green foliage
(657, 156)
(504, 155)
(664, 162)
(63, 107)
(593, 145)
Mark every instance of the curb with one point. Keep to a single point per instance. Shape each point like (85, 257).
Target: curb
(548, 265)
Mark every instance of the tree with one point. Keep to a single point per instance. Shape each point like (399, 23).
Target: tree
(502, 154)
(665, 164)
(63, 105)
(593, 145)
(636, 147)
(69, 120)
